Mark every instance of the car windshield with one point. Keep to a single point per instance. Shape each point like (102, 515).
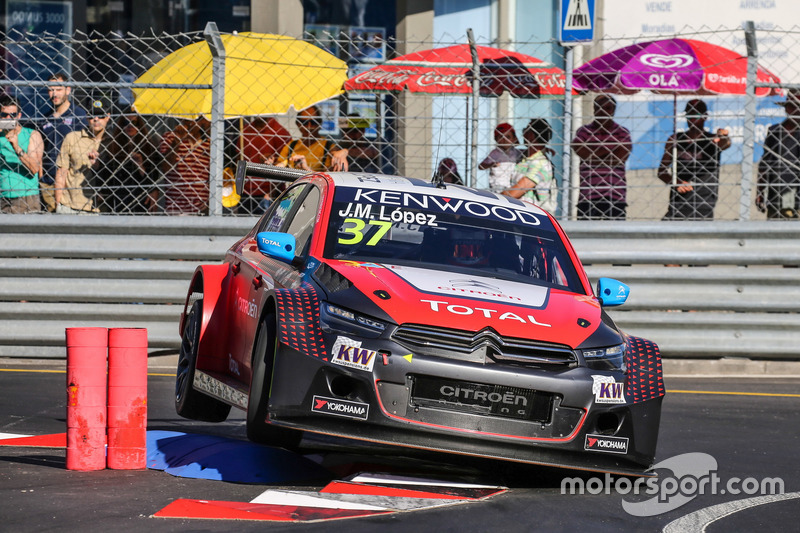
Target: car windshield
(455, 234)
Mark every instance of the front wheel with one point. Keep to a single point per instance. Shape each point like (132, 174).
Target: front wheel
(189, 402)
(258, 430)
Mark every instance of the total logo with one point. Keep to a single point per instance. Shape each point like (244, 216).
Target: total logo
(346, 408)
(465, 310)
(604, 443)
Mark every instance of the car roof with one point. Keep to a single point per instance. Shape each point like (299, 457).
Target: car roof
(415, 185)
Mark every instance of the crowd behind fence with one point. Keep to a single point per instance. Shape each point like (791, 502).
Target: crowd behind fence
(182, 162)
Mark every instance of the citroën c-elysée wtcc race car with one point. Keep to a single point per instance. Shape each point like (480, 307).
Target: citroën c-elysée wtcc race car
(418, 314)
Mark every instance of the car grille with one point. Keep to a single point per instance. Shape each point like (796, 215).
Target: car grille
(484, 346)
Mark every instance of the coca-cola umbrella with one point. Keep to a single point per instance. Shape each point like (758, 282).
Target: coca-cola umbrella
(449, 71)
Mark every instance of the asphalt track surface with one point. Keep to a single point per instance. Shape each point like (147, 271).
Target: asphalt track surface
(748, 425)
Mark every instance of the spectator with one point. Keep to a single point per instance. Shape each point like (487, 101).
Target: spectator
(603, 147)
(690, 164)
(447, 172)
(311, 152)
(262, 139)
(534, 175)
(187, 158)
(75, 189)
(503, 159)
(363, 155)
(128, 168)
(63, 118)
(779, 169)
(20, 161)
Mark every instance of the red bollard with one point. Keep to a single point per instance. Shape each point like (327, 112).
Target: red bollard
(127, 398)
(86, 398)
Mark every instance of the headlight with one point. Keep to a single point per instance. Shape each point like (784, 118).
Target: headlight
(611, 358)
(334, 319)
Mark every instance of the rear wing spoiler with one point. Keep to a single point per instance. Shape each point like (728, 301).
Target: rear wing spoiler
(270, 172)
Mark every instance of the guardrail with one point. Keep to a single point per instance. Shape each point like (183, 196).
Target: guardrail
(735, 291)
(59, 271)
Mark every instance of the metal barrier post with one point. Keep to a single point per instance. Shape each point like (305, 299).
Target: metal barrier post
(566, 156)
(211, 34)
(473, 161)
(748, 132)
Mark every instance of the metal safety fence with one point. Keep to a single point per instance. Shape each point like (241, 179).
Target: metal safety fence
(168, 117)
(723, 289)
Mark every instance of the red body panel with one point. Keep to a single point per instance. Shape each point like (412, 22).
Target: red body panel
(214, 328)
(553, 323)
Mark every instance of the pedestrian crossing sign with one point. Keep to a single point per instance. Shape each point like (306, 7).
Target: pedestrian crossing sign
(576, 21)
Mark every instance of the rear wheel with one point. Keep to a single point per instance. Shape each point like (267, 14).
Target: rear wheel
(258, 430)
(191, 403)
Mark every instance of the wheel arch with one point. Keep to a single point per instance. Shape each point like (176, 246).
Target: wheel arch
(269, 305)
(209, 282)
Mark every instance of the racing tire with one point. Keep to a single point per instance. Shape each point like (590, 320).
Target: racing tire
(189, 402)
(258, 430)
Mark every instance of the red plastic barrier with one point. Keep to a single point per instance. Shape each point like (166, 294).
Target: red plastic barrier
(86, 398)
(127, 398)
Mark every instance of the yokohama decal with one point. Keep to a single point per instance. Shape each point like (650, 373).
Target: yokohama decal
(332, 406)
(604, 443)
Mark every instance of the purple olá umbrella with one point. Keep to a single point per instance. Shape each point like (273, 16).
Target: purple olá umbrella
(670, 66)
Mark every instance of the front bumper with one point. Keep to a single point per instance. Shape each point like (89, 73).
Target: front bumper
(561, 428)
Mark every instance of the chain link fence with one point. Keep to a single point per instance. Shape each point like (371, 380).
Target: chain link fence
(176, 154)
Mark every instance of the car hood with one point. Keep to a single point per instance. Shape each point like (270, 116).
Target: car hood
(467, 302)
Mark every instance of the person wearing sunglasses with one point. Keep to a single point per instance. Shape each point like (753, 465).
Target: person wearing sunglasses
(76, 163)
(312, 152)
(20, 159)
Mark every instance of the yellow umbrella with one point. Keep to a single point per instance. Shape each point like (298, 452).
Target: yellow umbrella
(264, 75)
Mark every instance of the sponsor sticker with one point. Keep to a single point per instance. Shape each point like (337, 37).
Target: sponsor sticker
(604, 443)
(401, 206)
(473, 287)
(608, 390)
(348, 352)
(385, 214)
(346, 408)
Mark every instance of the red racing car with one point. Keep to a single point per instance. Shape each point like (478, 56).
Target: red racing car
(418, 314)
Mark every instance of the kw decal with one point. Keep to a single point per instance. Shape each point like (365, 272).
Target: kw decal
(608, 390)
(349, 353)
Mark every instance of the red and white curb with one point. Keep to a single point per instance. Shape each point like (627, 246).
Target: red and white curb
(56, 440)
(362, 495)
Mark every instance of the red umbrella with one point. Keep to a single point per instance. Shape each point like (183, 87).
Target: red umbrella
(670, 66)
(449, 71)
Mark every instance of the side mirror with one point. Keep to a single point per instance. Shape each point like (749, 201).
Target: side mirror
(277, 245)
(612, 292)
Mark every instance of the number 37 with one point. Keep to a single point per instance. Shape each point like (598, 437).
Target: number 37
(355, 227)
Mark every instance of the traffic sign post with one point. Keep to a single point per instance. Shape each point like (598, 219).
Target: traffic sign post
(576, 21)
(575, 26)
